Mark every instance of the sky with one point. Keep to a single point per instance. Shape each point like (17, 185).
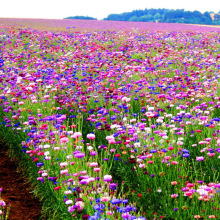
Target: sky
(59, 9)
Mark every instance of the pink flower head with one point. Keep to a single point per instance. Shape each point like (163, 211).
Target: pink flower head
(199, 158)
(76, 135)
(174, 196)
(107, 178)
(105, 199)
(64, 140)
(97, 169)
(111, 141)
(93, 164)
(125, 99)
(90, 136)
(125, 215)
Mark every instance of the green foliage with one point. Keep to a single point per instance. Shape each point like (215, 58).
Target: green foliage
(166, 15)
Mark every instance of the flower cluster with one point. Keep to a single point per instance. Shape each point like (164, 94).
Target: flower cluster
(4, 213)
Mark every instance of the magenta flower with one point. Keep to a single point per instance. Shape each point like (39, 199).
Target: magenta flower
(79, 155)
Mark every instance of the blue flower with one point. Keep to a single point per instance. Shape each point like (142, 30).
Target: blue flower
(185, 151)
(115, 201)
(186, 155)
(113, 117)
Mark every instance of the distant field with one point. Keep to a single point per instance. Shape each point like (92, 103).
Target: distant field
(75, 25)
(215, 26)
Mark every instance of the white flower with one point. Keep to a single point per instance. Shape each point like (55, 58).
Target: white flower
(124, 119)
(150, 109)
(69, 157)
(90, 148)
(64, 164)
(46, 146)
(136, 145)
(107, 178)
(46, 153)
(68, 202)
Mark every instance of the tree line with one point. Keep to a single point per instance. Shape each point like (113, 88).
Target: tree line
(162, 15)
(167, 16)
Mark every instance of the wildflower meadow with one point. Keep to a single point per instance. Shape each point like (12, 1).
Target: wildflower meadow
(115, 123)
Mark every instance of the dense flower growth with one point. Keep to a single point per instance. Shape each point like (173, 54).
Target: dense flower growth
(116, 124)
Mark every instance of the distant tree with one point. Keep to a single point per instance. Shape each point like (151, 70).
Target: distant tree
(207, 18)
(147, 18)
(134, 18)
(81, 17)
(217, 17)
(197, 14)
(114, 17)
(157, 17)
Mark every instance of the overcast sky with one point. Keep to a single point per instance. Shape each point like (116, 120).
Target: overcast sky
(58, 9)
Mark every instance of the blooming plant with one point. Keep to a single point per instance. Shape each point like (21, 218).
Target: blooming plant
(4, 213)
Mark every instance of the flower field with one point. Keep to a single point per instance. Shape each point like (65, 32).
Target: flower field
(115, 123)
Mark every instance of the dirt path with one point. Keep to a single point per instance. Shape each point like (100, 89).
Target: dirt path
(15, 191)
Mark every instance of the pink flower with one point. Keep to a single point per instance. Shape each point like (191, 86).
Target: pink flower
(188, 193)
(108, 138)
(109, 213)
(93, 164)
(76, 135)
(111, 141)
(199, 158)
(63, 171)
(125, 215)
(149, 155)
(90, 136)
(141, 165)
(107, 178)
(167, 157)
(64, 140)
(211, 154)
(97, 169)
(105, 199)
(20, 103)
(174, 196)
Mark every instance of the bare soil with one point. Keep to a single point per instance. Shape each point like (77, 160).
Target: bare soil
(16, 190)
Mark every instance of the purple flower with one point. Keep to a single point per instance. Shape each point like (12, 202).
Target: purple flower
(79, 155)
